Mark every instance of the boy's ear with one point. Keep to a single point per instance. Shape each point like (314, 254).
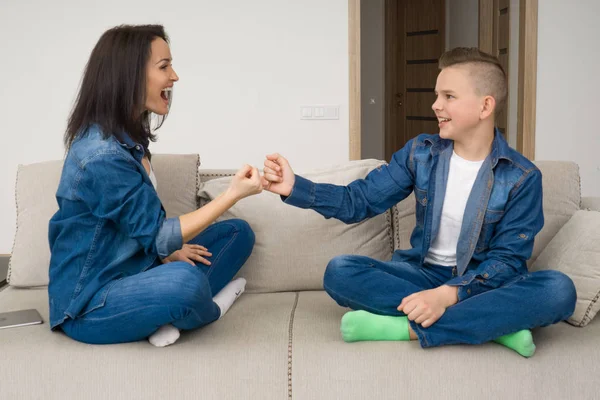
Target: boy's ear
(488, 106)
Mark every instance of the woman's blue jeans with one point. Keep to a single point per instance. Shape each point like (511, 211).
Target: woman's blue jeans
(528, 301)
(176, 293)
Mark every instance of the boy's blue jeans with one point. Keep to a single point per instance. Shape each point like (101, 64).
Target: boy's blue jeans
(527, 301)
(176, 293)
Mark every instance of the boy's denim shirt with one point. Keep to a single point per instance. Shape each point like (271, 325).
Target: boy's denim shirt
(110, 223)
(503, 213)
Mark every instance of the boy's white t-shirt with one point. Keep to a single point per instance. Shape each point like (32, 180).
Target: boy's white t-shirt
(461, 177)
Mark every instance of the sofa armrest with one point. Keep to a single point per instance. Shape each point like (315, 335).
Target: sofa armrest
(590, 203)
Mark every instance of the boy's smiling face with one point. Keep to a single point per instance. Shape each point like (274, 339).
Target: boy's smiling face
(458, 107)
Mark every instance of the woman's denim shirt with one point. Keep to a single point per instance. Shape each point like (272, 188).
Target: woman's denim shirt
(110, 223)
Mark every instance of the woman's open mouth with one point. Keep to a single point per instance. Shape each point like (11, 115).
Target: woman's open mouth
(166, 94)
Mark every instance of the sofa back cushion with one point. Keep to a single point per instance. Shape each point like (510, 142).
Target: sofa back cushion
(36, 203)
(562, 199)
(293, 245)
(574, 251)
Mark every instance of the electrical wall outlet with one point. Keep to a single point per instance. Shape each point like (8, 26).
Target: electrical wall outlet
(317, 112)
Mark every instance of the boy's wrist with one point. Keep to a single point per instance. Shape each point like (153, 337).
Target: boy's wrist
(450, 294)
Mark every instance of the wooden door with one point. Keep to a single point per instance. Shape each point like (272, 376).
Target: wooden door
(414, 41)
(494, 38)
(501, 43)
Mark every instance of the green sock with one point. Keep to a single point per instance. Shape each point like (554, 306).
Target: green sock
(521, 342)
(362, 325)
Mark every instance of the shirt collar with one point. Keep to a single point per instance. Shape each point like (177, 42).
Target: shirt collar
(500, 148)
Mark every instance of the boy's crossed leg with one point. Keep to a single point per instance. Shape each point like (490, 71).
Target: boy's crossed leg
(376, 288)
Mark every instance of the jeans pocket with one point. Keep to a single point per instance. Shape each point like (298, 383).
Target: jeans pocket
(99, 299)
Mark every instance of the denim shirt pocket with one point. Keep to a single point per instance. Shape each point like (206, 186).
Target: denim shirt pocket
(421, 205)
(99, 299)
(492, 217)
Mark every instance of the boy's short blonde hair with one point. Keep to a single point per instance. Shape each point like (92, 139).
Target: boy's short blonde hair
(488, 75)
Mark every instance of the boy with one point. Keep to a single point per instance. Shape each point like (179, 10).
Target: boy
(478, 209)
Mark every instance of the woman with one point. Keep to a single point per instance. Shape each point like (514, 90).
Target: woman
(120, 271)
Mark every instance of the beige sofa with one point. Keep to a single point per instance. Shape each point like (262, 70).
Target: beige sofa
(281, 339)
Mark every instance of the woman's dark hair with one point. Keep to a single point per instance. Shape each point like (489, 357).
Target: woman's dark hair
(113, 88)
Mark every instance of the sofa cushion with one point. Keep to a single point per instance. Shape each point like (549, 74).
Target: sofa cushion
(36, 203)
(562, 199)
(575, 251)
(325, 367)
(178, 182)
(293, 245)
(242, 356)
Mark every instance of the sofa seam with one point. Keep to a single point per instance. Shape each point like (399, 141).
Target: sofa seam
(389, 217)
(396, 226)
(9, 272)
(204, 174)
(291, 344)
(197, 181)
(579, 181)
(586, 318)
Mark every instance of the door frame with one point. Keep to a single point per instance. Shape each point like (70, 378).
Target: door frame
(526, 107)
(354, 75)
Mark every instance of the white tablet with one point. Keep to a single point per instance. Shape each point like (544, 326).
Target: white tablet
(19, 318)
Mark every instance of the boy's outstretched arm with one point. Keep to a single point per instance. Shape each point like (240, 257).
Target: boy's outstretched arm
(512, 242)
(381, 189)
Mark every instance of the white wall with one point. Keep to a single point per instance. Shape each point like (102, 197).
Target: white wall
(568, 84)
(372, 75)
(462, 23)
(245, 69)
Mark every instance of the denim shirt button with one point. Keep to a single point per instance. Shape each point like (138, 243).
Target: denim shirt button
(468, 291)
(137, 147)
(425, 201)
(465, 282)
(486, 275)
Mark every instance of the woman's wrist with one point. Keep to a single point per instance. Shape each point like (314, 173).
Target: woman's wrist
(229, 197)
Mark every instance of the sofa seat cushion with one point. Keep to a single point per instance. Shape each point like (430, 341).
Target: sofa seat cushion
(324, 367)
(242, 356)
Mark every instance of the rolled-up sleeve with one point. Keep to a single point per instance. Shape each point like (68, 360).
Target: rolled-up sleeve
(113, 188)
(169, 238)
